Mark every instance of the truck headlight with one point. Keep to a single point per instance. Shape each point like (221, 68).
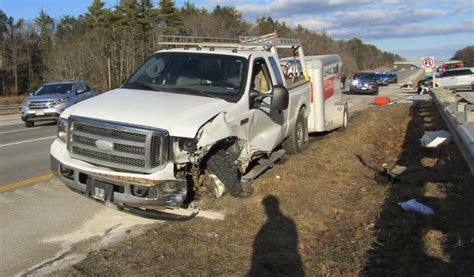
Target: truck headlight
(62, 129)
(189, 145)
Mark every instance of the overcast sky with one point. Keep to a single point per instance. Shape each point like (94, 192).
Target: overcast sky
(411, 28)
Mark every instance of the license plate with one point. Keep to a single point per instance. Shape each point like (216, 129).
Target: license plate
(39, 113)
(100, 190)
(364, 88)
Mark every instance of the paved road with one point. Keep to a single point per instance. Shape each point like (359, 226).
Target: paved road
(24, 152)
(45, 226)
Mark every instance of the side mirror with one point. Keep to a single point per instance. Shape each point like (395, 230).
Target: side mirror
(280, 98)
(31, 93)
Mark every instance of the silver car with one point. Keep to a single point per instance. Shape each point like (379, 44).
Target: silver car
(47, 103)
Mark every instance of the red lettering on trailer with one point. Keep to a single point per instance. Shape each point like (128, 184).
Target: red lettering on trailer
(311, 99)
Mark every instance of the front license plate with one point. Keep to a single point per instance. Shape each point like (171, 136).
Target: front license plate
(100, 190)
(364, 88)
(39, 113)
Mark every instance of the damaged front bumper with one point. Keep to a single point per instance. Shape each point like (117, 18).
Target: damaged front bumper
(136, 193)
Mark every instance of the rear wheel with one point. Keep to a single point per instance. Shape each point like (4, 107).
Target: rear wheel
(29, 124)
(295, 143)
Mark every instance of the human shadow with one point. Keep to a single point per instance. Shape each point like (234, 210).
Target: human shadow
(275, 248)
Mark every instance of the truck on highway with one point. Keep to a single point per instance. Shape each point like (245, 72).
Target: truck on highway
(210, 116)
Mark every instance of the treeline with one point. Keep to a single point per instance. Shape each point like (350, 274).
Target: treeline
(104, 46)
(466, 55)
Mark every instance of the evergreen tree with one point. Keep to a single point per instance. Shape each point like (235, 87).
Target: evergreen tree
(170, 18)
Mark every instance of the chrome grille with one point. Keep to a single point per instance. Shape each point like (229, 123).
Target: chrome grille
(39, 104)
(117, 145)
(108, 157)
(101, 131)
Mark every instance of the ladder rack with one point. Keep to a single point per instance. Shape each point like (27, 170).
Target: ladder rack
(265, 41)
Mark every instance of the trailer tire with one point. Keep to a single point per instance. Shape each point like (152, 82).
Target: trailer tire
(345, 120)
(295, 143)
(221, 163)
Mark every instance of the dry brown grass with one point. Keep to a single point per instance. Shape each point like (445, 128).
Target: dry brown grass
(346, 223)
(11, 100)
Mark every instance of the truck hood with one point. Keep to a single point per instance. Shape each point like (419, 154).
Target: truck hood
(180, 114)
(48, 96)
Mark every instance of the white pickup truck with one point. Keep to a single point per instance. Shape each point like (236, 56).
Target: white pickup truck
(191, 119)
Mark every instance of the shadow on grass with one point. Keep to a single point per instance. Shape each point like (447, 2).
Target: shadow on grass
(409, 243)
(275, 248)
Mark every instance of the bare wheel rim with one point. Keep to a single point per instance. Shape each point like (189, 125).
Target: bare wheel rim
(299, 134)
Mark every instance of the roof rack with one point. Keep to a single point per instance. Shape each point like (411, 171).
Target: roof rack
(265, 41)
(270, 42)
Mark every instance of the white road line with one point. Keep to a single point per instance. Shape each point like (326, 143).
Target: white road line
(26, 141)
(14, 131)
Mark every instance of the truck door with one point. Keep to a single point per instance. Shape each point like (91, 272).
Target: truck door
(266, 124)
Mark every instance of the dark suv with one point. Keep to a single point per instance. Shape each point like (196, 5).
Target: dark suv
(364, 82)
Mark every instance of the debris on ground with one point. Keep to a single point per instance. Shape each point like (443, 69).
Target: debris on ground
(412, 205)
(381, 100)
(435, 139)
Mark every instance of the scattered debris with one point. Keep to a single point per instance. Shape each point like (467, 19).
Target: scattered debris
(405, 86)
(412, 205)
(381, 100)
(278, 176)
(435, 139)
(383, 177)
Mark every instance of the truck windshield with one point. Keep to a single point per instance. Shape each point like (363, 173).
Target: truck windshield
(54, 89)
(364, 76)
(210, 75)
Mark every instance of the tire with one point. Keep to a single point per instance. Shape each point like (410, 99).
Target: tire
(221, 163)
(376, 92)
(29, 124)
(345, 120)
(295, 143)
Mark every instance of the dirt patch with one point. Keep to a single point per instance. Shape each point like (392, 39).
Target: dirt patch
(321, 212)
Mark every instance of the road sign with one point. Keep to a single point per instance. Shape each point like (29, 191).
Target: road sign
(428, 62)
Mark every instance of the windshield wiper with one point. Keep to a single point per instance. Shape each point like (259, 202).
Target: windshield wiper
(138, 85)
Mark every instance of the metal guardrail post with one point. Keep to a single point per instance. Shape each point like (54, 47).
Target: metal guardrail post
(459, 117)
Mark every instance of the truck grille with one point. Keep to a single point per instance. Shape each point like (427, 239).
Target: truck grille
(116, 145)
(39, 104)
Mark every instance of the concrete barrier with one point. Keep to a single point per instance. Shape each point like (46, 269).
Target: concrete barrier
(457, 110)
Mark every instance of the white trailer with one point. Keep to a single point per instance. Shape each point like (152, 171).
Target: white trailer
(327, 111)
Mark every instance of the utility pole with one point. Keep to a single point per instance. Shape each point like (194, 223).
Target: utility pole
(110, 78)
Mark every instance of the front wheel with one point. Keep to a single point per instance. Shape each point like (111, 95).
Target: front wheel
(222, 168)
(29, 124)
(295, 143)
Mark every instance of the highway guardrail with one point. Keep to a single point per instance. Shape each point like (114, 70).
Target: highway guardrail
(457, 110)
(10, 107)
